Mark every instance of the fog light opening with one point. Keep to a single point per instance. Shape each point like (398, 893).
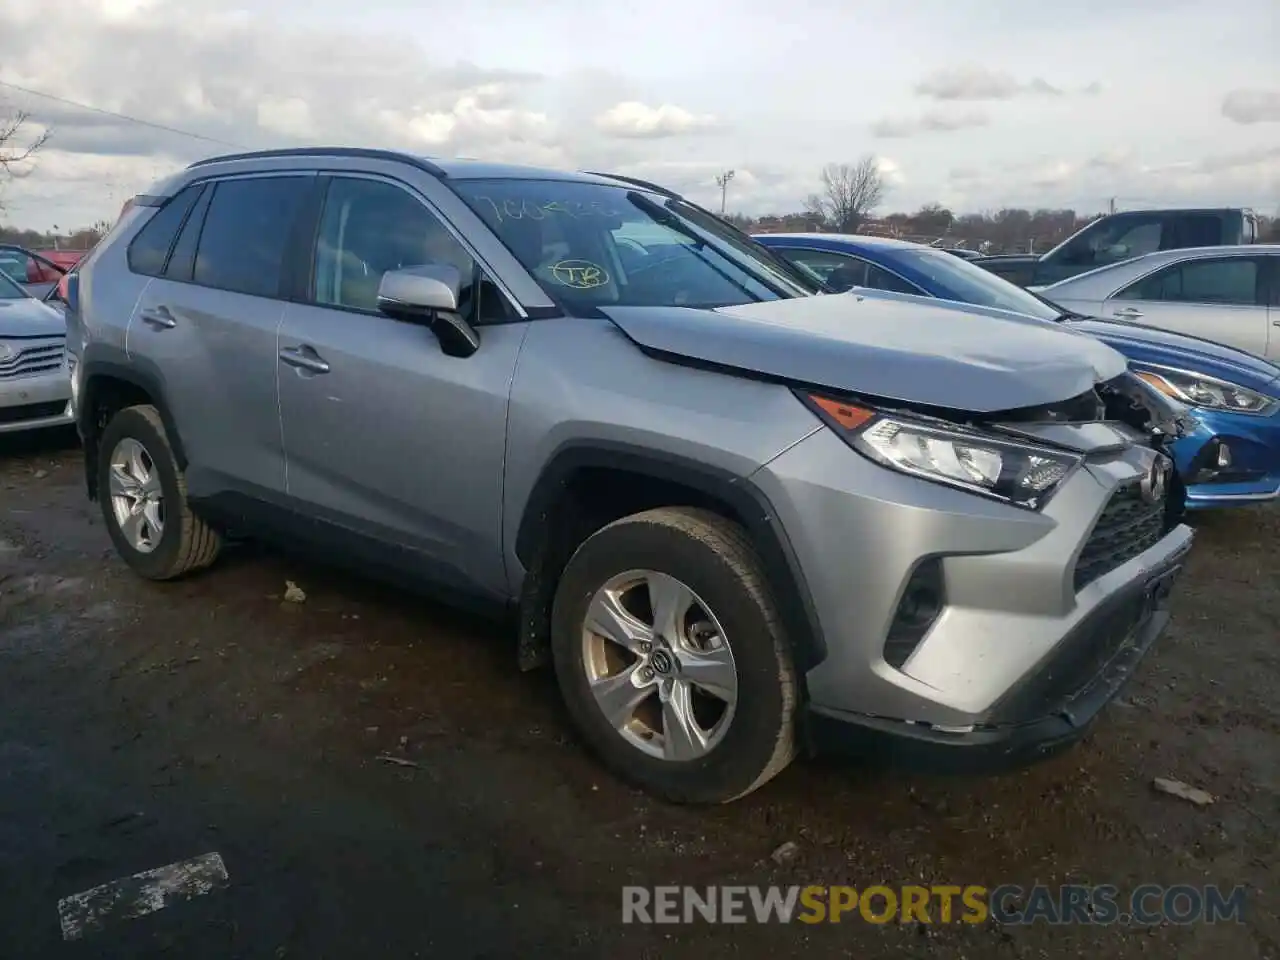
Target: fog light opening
(922, 603)
(1224, 456)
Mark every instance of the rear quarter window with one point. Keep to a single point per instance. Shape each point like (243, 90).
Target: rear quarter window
(149, 250)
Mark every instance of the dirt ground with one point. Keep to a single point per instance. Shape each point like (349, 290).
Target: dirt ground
(142, 724)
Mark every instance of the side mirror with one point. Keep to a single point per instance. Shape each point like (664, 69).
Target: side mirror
(429, 294)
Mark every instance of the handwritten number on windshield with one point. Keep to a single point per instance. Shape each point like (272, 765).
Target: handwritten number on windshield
(512, 209)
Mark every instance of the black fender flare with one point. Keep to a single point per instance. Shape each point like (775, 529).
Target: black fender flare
(140, 374)
(740, 495)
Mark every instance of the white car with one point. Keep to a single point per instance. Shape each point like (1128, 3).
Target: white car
(1227, 294)
(35, 388)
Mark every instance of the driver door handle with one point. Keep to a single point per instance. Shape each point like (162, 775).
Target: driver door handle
(1128, 312)
(304, 358)
(158, 317)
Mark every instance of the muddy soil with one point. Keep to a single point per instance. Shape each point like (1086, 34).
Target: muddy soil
(143, 724)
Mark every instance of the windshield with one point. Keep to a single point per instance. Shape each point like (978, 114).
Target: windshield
(954, 279)
(9, 290)
(594, 245)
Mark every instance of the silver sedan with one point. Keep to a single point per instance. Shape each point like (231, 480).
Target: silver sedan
(1227, 294)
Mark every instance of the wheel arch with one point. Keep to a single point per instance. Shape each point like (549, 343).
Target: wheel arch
(585, 485)
(108, 386)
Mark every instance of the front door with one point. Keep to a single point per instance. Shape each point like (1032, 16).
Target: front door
(386, 437)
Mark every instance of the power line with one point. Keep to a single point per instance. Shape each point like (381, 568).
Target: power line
(123, 116)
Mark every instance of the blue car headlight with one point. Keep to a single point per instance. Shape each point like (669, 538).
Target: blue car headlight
(1206, 392)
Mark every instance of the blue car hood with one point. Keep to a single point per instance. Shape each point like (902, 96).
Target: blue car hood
(890, 346)
(1151, 345)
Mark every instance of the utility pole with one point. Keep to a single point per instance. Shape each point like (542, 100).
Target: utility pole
(722, 181)
(1112, 205)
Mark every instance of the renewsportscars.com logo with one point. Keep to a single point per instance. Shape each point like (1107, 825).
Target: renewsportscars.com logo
(1008, 904)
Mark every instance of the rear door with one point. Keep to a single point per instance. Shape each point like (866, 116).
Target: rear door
(208, 321)
(1217, 298)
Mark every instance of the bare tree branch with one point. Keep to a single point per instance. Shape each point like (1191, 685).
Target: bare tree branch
(850, 191)
(15, 150)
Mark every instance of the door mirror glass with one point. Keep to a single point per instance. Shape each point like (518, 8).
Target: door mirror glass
(420, 292)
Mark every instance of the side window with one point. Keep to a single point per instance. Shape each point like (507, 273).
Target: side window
(822, 262)
(18, 266)
(182, 259)
(150, 248)
(1115, 239)
(839, 271)
(1227, 282)
(878, 279)
(369, 227)
(246, 232)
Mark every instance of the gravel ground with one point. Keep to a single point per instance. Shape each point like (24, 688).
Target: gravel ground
(142, 724)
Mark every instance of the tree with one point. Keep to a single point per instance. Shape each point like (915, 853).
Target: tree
(850, 191)
(933, 218)
(15, 149)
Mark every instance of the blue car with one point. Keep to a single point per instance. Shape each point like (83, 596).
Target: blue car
(1233, 456)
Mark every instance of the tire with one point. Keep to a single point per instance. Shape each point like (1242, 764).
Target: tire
(185, 542)
(715, 560)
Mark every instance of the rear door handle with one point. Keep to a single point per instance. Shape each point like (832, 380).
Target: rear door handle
(1129, 312)
(158, 317)
(304, 358)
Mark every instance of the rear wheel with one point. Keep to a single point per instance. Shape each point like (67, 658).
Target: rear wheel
(144, 499)
(671, 656)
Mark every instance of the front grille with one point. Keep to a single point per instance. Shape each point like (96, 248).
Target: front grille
(1128, 526)
(34, 358)
(32, 411)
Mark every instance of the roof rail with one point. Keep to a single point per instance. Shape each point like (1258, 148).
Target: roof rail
(367, 153)
(636, 182)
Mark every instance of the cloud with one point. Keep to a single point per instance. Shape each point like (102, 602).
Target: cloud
(1087, 183)
(931, 122)
(980, 83)
(1252, 106)
(634, 120)
(247, 82)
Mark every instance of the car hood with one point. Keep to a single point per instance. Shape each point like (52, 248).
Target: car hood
(894, 347)
(30, 318)
(1144, 344)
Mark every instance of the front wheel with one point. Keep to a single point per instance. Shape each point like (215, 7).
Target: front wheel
(672, 658)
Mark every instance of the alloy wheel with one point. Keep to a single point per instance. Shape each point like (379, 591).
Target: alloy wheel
(659, 665)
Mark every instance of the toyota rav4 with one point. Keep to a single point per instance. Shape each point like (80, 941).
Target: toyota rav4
(741, 516)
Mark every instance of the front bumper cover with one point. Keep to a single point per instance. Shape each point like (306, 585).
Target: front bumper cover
(1049, 711)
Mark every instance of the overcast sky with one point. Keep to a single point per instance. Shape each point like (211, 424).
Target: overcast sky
(974, 105)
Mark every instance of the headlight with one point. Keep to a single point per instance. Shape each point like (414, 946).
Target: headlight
(1003, 470)
(1210, 393)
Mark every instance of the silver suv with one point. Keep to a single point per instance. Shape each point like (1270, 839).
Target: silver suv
(741, 519)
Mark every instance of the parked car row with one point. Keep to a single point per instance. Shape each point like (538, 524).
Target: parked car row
(742, 515)
(1123, 236)
(1233, 455)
